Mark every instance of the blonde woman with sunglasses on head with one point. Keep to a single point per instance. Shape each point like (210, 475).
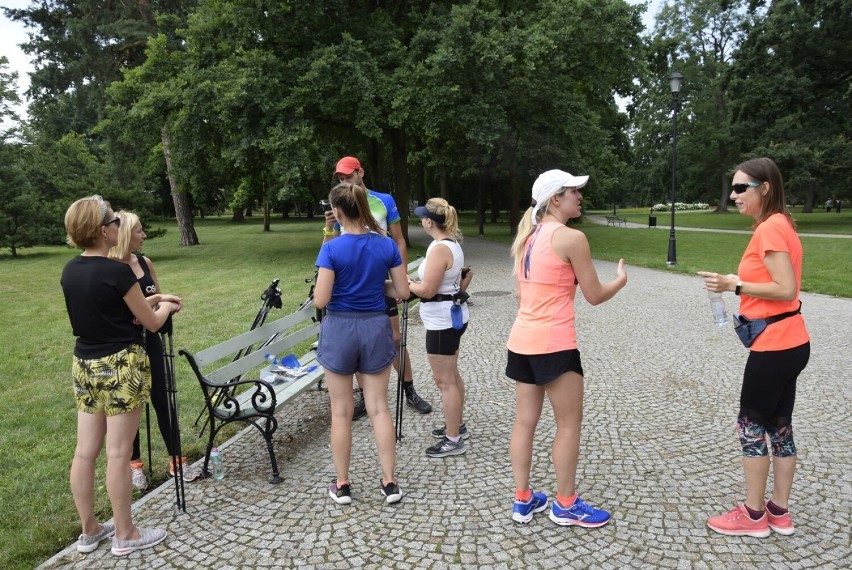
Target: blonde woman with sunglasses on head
(131, 236)
(110, 370)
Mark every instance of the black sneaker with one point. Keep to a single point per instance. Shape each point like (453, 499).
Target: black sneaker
(360, 407)
(391, 491)
(446, 448)
(441, 432)
(414, 400)
(340, 495)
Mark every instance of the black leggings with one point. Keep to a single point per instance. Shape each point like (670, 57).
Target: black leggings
(159, 399)
(769, 385)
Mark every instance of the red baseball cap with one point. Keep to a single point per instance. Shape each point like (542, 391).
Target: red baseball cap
(347, 165)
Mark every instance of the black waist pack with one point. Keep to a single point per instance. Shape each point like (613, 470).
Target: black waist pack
(749, 329)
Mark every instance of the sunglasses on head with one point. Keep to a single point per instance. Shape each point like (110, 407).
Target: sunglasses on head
(740, 188)
(116, 221)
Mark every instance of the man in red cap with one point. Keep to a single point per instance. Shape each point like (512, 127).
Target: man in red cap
(384, 210)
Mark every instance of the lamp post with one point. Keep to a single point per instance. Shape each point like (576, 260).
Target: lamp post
(675, 79)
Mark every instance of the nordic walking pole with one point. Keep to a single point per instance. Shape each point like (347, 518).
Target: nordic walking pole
(174, 424)
(148, 433)
(403, 343)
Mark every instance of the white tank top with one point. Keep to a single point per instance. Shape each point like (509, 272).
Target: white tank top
(436, 316)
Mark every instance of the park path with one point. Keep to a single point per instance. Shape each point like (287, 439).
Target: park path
(659, 451)
(662, 217)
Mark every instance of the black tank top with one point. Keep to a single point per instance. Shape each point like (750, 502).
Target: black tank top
(146, 281)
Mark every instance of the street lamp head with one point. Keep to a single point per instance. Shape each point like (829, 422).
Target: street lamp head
(675, 79)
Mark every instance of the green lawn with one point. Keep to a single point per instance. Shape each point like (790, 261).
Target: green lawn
(221, 281)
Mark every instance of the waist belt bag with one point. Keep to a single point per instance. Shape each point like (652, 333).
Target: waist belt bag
(749, 329)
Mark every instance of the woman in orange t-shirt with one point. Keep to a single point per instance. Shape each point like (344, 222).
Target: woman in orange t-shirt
(550, 261)
(769, 280)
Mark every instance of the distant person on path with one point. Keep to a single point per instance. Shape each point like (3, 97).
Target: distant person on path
(837, 206)
(550, 261)
(131, 236)
(384, 210)
(354, 335)
(110, 370)
(442, 277)
(768, 283)
(828, 204)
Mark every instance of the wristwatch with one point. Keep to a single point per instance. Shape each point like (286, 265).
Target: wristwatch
(327, 232)
(739, 288)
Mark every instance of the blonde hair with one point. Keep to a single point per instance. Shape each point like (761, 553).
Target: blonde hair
(525, 229)
(125, 233)
(352, 201)
(441, 207)
(83, 221)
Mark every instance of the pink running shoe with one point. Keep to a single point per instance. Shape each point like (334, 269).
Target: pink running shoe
(782, 524)
(738, 523)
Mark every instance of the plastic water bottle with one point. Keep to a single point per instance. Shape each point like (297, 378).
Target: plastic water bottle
(457, 315)
(217, 465)
(271, 359)
(720, 311)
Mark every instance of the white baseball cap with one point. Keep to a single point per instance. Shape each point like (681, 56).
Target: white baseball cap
(550, 183)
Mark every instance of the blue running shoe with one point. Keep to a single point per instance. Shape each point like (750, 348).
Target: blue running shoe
(579, 514)
(524, 511)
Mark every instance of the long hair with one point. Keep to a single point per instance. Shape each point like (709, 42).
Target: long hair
(525, 230)
(450, 225)
(125, 231)
(83, 221)
(765, 170)
(351, 199)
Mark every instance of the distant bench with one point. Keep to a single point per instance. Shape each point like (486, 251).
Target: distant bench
(228, 397)
(615, 220)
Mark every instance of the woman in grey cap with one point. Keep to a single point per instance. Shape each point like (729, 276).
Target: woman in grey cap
(550, 261)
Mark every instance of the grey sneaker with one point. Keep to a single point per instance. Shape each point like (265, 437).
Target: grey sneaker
(137, 475)
(446, 448)
(413, 399)
(90, 542)
(441, 432)
(148, 537)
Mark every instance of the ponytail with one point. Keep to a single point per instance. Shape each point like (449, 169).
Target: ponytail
(351, 199)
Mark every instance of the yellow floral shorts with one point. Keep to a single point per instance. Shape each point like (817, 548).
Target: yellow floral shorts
(113, 384)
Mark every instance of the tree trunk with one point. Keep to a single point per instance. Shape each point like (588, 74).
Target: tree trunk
(400, 178)
(420, 183)
(480, 203)
(267, 215)
(443, 188)
(723, 171)
(183, 208)
(238, 216)
(810, 199)
(514, 193)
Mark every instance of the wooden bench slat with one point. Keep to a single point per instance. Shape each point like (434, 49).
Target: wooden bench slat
(233, 345)
(279, 346)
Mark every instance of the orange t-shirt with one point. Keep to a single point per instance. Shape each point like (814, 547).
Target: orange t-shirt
(545, 321)
(773, 234)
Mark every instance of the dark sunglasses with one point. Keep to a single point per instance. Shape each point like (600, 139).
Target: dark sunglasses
(116, 221)
(740, 188)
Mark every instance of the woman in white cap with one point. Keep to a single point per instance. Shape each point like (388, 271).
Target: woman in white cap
(550, 261)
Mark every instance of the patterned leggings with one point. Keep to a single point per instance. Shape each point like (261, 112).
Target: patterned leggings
(766, 401)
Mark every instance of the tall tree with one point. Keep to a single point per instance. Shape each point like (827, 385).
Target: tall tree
(791, 95)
